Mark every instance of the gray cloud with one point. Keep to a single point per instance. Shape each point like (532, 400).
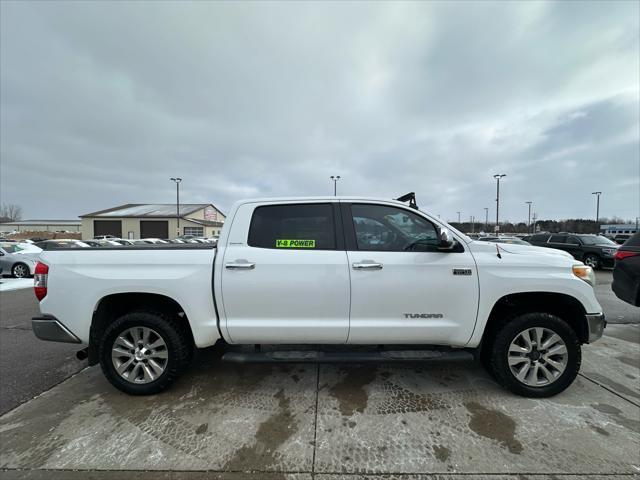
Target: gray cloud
(102, 102)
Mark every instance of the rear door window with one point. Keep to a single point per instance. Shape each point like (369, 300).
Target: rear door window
(558, 239)
(539, 238)
(293, 227)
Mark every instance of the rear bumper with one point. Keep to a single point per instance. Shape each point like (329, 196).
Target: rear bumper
(48, 327)
(597, 324)
(608, 262)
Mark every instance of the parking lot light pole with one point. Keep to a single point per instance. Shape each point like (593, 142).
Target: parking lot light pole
(458, 217)
(486, 218)
(597, 194)
(529, 222)
(498, 177)
(177, 181)
(335, 184)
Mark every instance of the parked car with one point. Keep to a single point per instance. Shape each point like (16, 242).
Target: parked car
(102, 243)
(626, 273)
(323, 271)
(122, 241)
(620, 239)
(61, 243)
(155, 240)
(18, 259)
(104, 237)
(513, 240)
(595, 251)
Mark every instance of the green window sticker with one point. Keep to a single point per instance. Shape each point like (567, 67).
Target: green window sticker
(295, 244)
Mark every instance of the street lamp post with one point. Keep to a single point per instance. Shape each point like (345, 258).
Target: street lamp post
(177, 181)
(458, 217)
(498, 177)
(486, 218)
(529, 222)
(597, 194)
(335, 184)
(473, 224)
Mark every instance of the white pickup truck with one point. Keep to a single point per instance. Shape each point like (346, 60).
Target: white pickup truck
(323, 271)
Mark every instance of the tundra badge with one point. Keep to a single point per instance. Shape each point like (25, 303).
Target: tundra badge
(462, 271)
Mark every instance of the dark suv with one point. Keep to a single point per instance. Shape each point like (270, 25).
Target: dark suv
(594, 250)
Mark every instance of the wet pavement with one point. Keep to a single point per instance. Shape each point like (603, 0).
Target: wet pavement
(394, 421)
(335, 421)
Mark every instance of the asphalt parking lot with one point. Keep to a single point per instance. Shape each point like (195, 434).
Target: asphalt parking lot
(316, 421)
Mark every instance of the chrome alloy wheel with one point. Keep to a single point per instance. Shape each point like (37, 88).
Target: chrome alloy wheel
(537, 356)
(20, 271)
(139, 355)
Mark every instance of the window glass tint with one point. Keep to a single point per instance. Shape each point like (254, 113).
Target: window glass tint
(391, 229)
(306, 227)
(573, 241)
(558, 239)
(596, 240)
(633, 241)
(539, 238)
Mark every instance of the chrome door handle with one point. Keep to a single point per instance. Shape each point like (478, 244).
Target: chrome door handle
(240, 266)
(367, 266)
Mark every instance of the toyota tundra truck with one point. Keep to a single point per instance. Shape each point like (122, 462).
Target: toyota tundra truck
(382, 278)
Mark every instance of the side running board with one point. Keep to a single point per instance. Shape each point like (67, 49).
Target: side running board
(344, 357)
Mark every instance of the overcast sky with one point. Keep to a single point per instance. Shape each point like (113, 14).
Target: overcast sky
(102, 102)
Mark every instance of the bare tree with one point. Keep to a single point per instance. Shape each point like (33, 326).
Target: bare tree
(11, 211)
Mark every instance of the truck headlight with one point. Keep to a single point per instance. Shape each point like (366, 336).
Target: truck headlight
(585, 273)
(609, 251)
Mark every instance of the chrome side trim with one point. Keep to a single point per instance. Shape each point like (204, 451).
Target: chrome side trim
(50, 329)
(596, 324)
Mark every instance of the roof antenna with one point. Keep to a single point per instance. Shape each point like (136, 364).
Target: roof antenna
(409, 197)
(498, 251)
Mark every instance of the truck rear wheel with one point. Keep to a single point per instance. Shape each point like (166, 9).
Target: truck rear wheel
(142, 353)
(535, 355)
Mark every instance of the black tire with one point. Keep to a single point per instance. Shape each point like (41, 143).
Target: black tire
(507, 333)
(178, 346)
(20, 270)
(593, 260)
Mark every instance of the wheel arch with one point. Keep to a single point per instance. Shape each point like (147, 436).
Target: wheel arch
(115, 305)
(564, 306)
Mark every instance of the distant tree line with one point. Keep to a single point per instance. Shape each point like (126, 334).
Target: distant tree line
(10, 212)
(573, 225)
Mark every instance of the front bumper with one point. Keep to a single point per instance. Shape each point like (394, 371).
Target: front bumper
(48, 327)
(597, 324)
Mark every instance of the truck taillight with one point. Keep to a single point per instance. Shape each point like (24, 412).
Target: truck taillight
(620, 254)
(40, 280)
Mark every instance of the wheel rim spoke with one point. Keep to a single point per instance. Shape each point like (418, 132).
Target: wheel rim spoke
(517, 360)
(552, 340)
(160, 354)
(124, 366)
(124, 342)
(557, 350)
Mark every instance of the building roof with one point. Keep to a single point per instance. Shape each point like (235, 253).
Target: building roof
(148, 210)
(43, 222)
(206, 223)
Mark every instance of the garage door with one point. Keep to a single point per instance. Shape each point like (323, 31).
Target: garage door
(154, 229)
(107, 227)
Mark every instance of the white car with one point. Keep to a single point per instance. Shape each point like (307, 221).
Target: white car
(324, 271)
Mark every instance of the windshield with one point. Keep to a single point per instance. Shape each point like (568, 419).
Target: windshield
(596, 240)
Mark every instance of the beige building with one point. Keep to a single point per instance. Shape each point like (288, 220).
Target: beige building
(41, 226)
(153, 221)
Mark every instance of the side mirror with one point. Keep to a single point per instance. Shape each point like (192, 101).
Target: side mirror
(446, 241)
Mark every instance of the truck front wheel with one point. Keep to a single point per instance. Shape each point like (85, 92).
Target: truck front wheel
(143, 352)
(536, 355)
